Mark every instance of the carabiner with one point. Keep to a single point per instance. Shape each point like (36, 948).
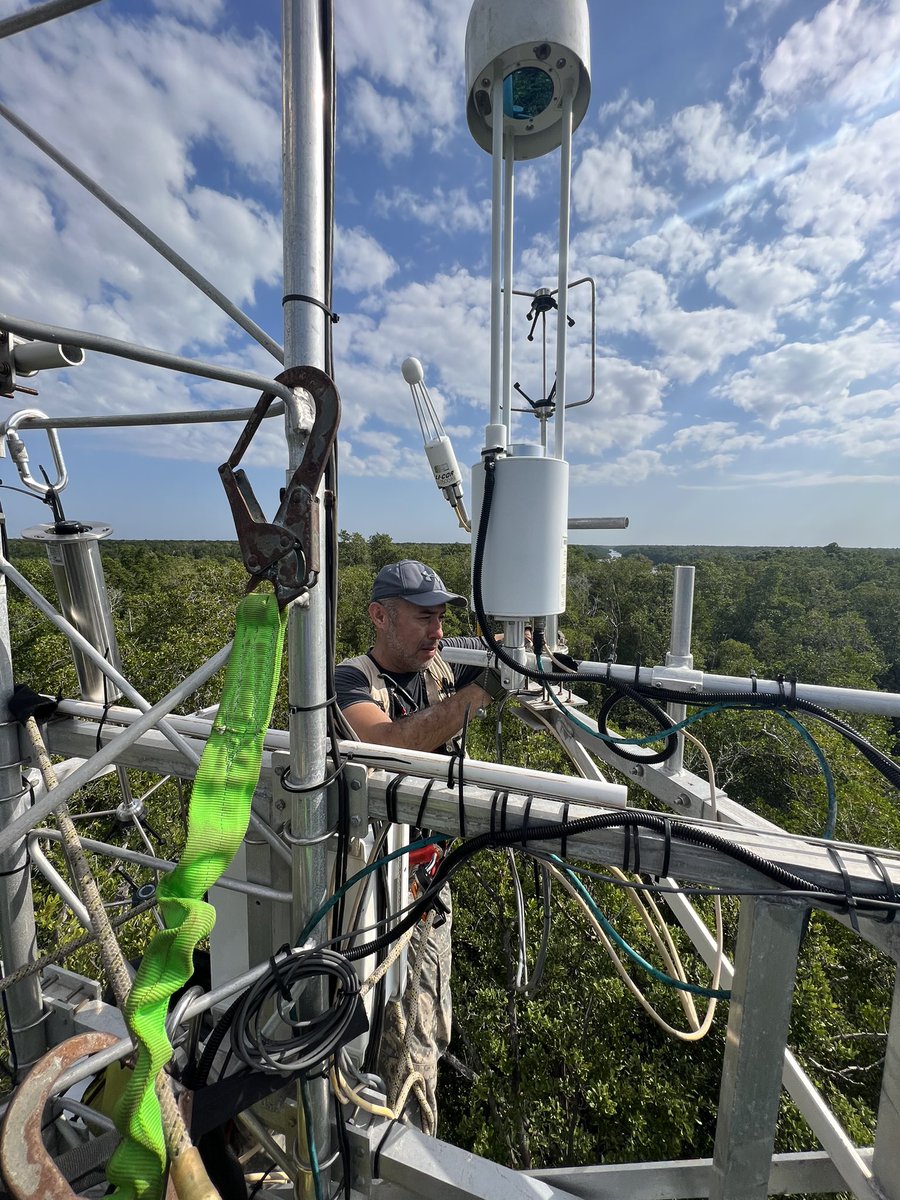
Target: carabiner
(285, 550)
(9, 435)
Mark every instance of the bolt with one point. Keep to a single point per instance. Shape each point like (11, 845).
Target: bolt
(637, 772)
(355, 784)
(683, 800)
(355, 819)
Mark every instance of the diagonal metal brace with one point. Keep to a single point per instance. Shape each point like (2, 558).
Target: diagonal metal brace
(285, 550)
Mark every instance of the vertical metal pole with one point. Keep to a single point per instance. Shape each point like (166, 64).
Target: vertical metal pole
(497, 414)
(303, 151)
(679, 652)
(508, 240)
(765, 966)
(18, 939)
(886, 1159)
(562, 297)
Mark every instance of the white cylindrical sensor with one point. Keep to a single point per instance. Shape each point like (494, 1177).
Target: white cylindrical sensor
(523, 570)
(442, 460)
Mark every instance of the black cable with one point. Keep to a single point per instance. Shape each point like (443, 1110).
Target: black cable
(311, 1039)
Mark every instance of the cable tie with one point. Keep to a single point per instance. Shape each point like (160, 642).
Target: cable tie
(626, 849)
(311, 300)
(794, 688)
(309, 787)
(306, 841)
(848, 890)
(667, 847)
(503, 801)
(563, 841)
(494, 799)
(462, 755)
(305, 708)
(17, 870)
(390, 798)
(420, 815)
(888, 883)
(279, 979)
(609, 670)
(636, 837)
(525, 816)
(754, 679)
(106, 707)
(637, 670)
(376, 1157)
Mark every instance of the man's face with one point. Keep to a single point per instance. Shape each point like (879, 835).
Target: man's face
(407, 634)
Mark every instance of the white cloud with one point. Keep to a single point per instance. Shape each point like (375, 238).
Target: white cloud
(451, 210)
(677, 246)
(759, 280)
(360, 263)
(846, 53)
(634, 467)
(709, 145)
(607, 185)
(817, 383)
(848, 188)
(413, 80)
(760, 8)
(200, 12)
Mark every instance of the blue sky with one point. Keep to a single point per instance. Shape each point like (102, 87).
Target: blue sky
(735, 197)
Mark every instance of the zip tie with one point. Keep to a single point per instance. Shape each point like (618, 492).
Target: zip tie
(848, 890)
(311, 300)
(494, 798)
(525, 816)
(888, 883)
(420, 815)
(563, 841)
(16, 870)
(305, 841)
(309, 787)
(667, 847)
(390, 798)
(503, 801)
(279, 978)
(376, 1157)
(303, 708)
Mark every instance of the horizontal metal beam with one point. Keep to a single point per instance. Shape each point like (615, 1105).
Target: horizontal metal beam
(811, 1171)
(144, 354)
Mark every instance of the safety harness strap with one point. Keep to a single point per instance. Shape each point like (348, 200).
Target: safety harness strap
(217, 821)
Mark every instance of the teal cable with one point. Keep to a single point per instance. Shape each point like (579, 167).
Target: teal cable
(694, 988)
(322, 912)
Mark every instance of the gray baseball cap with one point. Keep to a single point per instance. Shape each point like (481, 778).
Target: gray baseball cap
(413, 581)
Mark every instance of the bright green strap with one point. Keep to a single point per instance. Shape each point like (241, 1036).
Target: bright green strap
(217, 821)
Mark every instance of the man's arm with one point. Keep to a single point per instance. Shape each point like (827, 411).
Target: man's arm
(426, 730)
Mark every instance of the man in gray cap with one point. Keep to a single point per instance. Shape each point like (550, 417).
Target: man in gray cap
(401, 692)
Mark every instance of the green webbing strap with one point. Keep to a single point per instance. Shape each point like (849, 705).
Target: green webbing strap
(217, 821)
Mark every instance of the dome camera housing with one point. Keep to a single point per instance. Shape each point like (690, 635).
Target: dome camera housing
(541, 52)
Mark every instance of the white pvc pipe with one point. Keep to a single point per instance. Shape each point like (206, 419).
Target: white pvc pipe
(508, 241)
(562, 327)
(496, 250)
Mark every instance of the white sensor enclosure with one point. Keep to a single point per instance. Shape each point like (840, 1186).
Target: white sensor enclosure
(542, 52)
(524, 562)
(442, 460)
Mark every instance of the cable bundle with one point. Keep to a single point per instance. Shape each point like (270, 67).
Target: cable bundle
(254, 1039)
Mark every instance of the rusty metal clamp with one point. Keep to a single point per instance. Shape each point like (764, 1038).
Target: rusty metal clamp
(285, 550)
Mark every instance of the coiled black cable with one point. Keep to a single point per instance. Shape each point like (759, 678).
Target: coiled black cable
(312, 1039)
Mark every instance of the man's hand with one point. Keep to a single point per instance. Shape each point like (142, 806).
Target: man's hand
(489, 681)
